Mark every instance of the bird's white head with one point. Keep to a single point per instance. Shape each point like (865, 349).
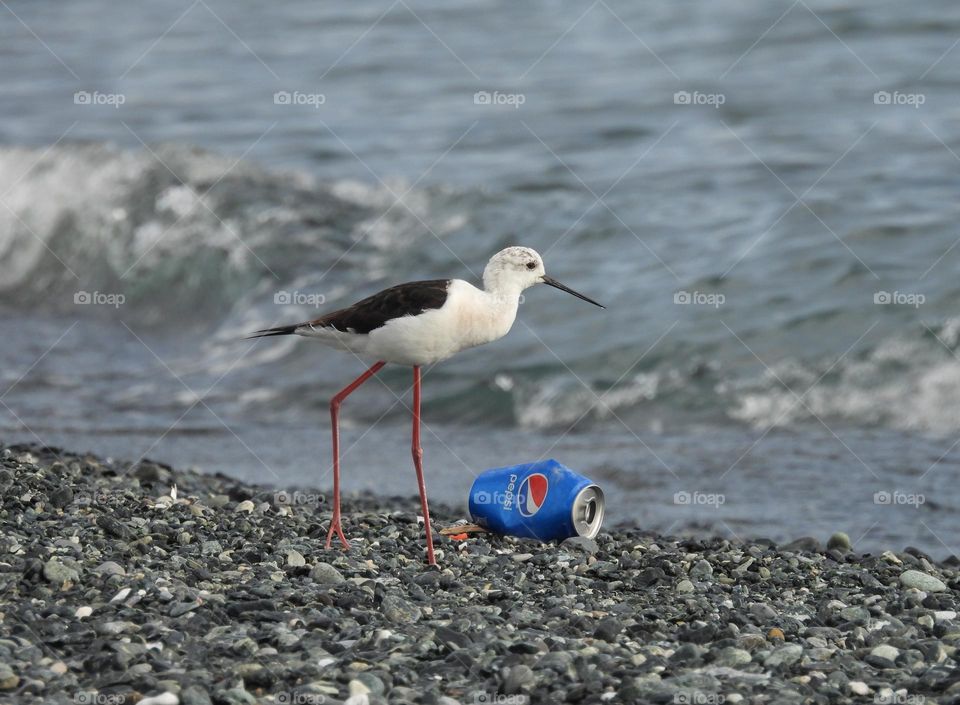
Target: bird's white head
(514, 269)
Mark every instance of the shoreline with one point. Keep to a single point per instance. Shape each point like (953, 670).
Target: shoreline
(114, 591)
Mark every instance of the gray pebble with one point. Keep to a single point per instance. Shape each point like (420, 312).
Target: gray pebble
(857, 615)
(608, 629)
(61, 497)
(806, 543)
(371, 682)
(8, 678)
(840, 542)
(732, 657)
(701, 570)
(580, 543)
(921, 581)
(762, 612)
(786, 655)
(518, 678)
(113, 628)
(110, 568)
(326, 574)
(60, 570)
(883, 656)
(399, 611)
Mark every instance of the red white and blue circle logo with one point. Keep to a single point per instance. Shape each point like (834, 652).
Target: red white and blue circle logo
(532, 493)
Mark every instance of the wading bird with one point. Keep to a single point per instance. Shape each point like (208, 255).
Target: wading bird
(421, 323)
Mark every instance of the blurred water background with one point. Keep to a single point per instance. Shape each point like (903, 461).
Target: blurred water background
(765, 197)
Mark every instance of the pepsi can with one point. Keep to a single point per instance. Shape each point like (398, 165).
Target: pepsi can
(543, 500)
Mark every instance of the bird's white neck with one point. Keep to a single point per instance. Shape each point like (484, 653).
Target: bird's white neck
(504, 293)
(501, 284)
(486, 315)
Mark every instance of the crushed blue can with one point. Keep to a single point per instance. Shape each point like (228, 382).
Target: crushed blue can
(544, 500)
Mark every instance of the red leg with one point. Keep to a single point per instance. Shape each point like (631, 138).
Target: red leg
(335, 527)
(418, 463)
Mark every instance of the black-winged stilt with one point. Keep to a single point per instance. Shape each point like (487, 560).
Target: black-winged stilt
(421, 323)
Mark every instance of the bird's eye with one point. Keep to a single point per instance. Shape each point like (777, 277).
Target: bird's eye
(531, 265)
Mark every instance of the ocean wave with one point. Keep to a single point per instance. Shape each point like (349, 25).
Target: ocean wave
(907, 382)
(182, 233)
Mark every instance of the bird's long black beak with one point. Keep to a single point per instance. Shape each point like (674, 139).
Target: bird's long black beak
(557, 285)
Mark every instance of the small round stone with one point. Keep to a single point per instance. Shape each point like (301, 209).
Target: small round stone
(786, 655)
(110, 568)
(61, 570)
(399, 611)
(518, 678)
(326, 574)
(883, 656)
(840, 542)
(8, 679)
(701, 570)
(61, 497)
(922, 581)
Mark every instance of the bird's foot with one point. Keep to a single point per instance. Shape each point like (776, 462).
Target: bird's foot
(335, 528)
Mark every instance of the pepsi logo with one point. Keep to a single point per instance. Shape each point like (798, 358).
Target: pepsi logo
(532, 493)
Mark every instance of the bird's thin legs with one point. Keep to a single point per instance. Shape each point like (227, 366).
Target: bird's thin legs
(335, 527)
(418, 463)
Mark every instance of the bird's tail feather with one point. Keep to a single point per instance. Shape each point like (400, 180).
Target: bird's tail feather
(279, 330)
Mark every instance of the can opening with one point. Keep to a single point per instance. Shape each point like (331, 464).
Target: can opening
(590, 511)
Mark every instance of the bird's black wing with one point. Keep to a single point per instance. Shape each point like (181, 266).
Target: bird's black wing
(374, 311)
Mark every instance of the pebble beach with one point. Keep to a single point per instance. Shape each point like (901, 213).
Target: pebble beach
(117, 588)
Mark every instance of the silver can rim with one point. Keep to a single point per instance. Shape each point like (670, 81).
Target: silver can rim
(586, 526)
